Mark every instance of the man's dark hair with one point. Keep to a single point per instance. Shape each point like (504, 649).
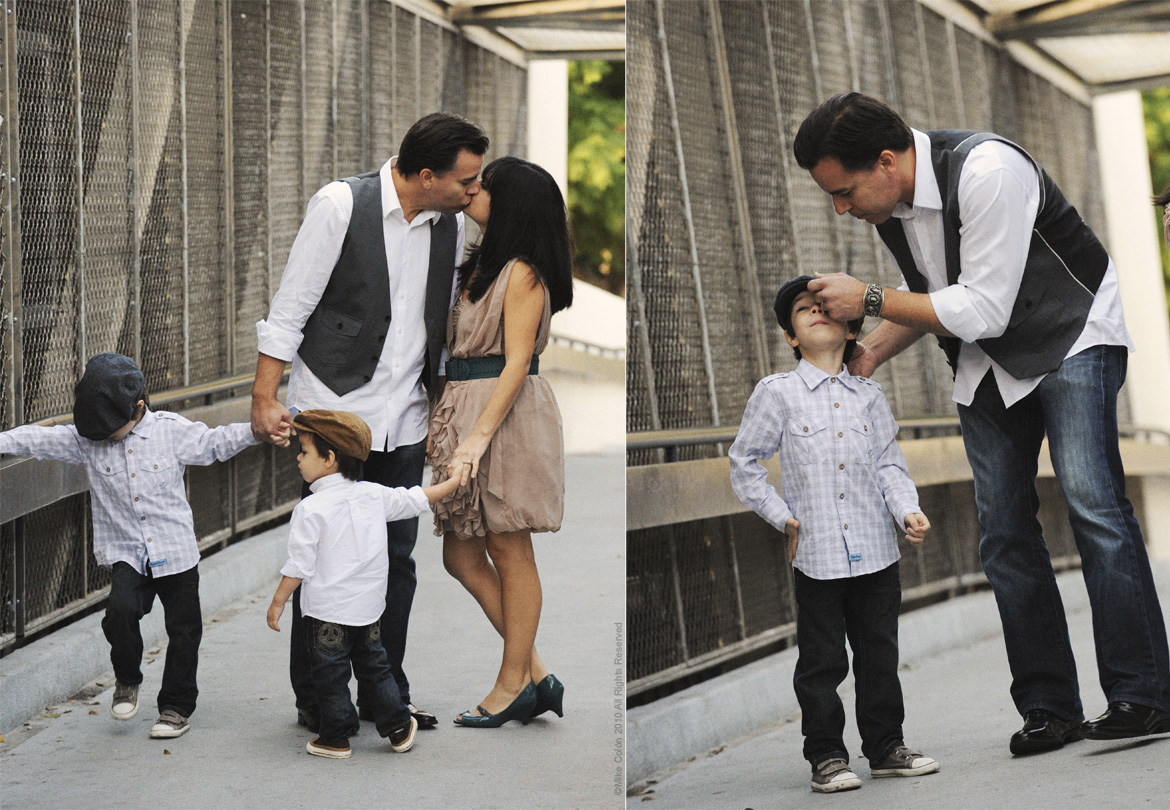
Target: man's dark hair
(434, 142)
(347, 465)
(852, 128)
(527, 221)
(1163, 199)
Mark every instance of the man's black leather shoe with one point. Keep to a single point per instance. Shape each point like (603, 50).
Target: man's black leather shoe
(1122, 720)
(1043, 731)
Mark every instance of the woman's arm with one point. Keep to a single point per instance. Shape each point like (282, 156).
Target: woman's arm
(523, 307)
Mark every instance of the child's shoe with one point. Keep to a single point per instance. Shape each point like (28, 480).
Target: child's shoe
(124, 703)
(402, 738)
(833, 775)
(903, 762)
(170, 724)
(334, 749)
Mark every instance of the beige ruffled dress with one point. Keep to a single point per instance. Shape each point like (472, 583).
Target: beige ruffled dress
(521, 479)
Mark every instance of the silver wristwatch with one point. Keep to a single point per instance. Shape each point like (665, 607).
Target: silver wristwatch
(872, 303)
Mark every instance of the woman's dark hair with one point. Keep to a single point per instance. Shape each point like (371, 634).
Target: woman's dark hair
(434, 142)
(527, 221)
(852, 128)
(347, 465)
(1163, 199)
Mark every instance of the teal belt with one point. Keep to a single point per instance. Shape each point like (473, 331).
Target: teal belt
(482, 368)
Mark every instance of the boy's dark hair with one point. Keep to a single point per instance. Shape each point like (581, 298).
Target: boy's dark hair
(527, 221)
(434, 142)
(852, 128)
(347, 465)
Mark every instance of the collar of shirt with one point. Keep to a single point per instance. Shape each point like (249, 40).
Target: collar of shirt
(390, 203)
(926, 192)
(326, 481)
(145, 425)
(814, 376)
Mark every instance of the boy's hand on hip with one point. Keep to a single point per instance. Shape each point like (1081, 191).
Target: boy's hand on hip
(792, 531)
(916, 528)
(274, 612)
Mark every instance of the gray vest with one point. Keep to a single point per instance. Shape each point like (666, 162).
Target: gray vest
(343, 338)
(1064, 267)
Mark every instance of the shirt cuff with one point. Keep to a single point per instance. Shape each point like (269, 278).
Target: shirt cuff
(276, 342)
(290, 569)
(956, 312)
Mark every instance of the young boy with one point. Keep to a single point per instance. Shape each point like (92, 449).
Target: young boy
(143, 529)
(844, 475)
(337, 548)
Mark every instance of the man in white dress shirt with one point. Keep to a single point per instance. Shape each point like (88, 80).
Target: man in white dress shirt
(1024, 301)
(361, 313)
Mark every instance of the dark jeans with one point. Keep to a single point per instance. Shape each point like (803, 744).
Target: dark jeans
(131, 598)
(863, 609)
(1076, 406)
(332, 649)
(402, 467)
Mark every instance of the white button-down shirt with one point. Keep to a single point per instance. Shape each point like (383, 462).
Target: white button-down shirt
(394, 402)
(140, 510)
(844, 475)
(337, 546)
(999, 196)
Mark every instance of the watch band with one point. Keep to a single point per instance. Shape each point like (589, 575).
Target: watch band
(875, 296)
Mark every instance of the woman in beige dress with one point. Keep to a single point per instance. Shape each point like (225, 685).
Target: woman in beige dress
(498, 425)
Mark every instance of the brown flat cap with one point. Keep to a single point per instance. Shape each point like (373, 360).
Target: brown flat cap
(346, 431)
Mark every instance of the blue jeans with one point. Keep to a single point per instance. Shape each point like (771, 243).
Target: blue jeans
(401, 467)
(333, 648)
(1076, 406)
(131, 597)
(863, 609)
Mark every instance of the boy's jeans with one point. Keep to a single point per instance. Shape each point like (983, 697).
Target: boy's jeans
(131, 598)
(1076, 406)
(863, 609)
(332, 649)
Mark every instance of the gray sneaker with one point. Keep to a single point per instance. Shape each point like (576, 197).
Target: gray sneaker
(170, 724)
(833, 775)
(124, 703)
(903, 762)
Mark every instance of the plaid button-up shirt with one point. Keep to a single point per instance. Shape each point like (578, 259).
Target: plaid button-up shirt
(140, 510)
(844, 475)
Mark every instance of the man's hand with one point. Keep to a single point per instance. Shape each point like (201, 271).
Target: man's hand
(792, 531)
(863, 363)
(841, 296)
(916, 528)
(271, 421)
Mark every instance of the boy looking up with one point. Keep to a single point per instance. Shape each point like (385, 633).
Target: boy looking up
(337, 549)
(844, 475)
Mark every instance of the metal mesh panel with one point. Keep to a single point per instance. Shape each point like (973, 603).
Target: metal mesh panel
(159, 195)
(407, 66)
(318, 33)
(384, 138)
(48, 221)
(286, 190)
(454, 73)
(8, 595)
(55, 572)
(249, 178)
(765, 577)
(209, 492)
(655, 640)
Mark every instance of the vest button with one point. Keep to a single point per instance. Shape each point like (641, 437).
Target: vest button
(386, 319)
(340, 325)
(374, 358)
(381, 338)
(366, 378)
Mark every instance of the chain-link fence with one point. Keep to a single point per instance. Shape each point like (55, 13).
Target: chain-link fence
(719, 215)
(155, 161)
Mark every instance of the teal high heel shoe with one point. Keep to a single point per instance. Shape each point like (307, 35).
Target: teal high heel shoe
(550, 696)
(519, 709)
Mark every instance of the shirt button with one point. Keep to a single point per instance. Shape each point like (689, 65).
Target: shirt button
(832, 379)
(839, 467)
(132, 475)
(836, 404)
(108, 469)
(131, 452)
(135, 499)
(846, 525)
(156, 466)
(151, 538)
(839, 434)
(805, 430)
(841, 497)
(144, 516)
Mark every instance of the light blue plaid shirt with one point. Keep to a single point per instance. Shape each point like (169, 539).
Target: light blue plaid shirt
(844, 475)
(140, 510)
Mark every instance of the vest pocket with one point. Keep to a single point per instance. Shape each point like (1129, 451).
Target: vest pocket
(333, 336)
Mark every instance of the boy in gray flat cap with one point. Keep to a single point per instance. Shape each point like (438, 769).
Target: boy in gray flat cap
(337, 549)
(143, 529)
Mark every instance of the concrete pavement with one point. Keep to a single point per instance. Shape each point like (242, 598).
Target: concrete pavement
(245, 749)
(958, 710)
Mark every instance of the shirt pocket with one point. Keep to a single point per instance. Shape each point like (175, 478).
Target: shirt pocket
(157, 474)
(861, 440)
(810, 438)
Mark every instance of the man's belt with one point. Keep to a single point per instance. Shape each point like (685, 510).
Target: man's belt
(482, 368)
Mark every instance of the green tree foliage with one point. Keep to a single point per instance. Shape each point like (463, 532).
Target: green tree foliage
(597, 171)
(1156, 104)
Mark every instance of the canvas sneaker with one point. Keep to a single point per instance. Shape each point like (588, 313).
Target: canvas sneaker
(170, 724)
(402, 738)
(833, 775)
(124, 704)
(333, 749)
(903, 762)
